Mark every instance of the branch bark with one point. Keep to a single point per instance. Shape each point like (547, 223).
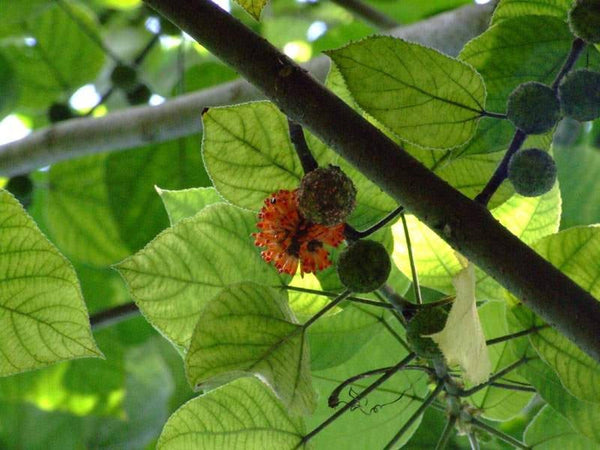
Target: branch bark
(467, 226)
(180, 117)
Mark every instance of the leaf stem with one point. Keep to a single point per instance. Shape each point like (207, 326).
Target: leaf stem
(576, 48)
(493, 115)
(493, 378)
(428, 400)
(356, 399)
(515, 335)
(499, 434)
(473, 441)
(350, 298)
(114, 315)
(354, 235)
(324, 310)
(411, 259)
(514, 387)
(308, 161)
(446, 433)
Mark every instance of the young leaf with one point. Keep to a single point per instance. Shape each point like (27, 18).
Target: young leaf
(250, 330)
(248, 153)
(549, 431)
(462, 341)
(252, 7)
(44, 319)
(422, 95)
(244, 414)
(187, 202)
(176, 274)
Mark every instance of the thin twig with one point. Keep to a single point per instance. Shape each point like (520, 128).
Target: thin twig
(308, 161)
(447, 433)
(114, 315)
(411, 259)
(515, 335)
(326, 309)
(350, 298)
(493, 378)
(353, 234)
(499, 434)
(576, 48)
(473, 441)
(348, 406)
(368, 13)
(514, 387)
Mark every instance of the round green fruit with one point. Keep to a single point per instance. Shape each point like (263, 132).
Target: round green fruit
(364, 266)
(532, 172)
(533, 108)
(59, 112)
(326, 196)
(124, 77)
(139, 95)
(579, 95)
(584, 20)
(425, 322)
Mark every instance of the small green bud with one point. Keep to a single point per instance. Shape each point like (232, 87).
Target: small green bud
(533, 108)
(124, 77)
(532, 172)
(579, 95)
(139, 95)
(364, 266)
(425, 322)
(326, 196)
(584, 20)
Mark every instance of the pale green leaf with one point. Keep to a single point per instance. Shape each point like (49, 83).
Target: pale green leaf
(244, 414)
(252, 7)
(387, 408)
(497, 403)
(250, 330)
(174, 276)
(248, 153)
(461, 340)
(187, 202)
(423, 96)
(549, 431)
(529, 218)
(42, 314)
(575, 252)
(514, 8)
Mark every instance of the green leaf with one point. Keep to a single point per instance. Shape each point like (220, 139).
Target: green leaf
(43, 317)
(387, 408)
(509, 53)
(49, 68)
(549, 431)
(130, 180)
(423, 96)
(8, 86)
(496, 403)
(514, 8)
(252, 7)
(250, 330)
(576, 252)
(78, 213)
(248, 153)
(243, 414)
(187, 202)
(187, 265)
(529, 218)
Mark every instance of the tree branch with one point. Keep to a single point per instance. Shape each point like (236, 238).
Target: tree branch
(179, 117)
(366, 12)
(466, 225)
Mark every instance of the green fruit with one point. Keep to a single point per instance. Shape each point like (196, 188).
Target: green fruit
(533, 108)
(425, 322)
(124, 77)
(139, 95)
(579, 95)
(59, 112)
(21, 187)
(364, 266)
(532, 172)
(326, 196)
(584, 20)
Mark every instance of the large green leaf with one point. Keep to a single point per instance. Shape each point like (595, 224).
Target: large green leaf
(377, 419)
(130, 180)
(514, 8)
(423, 96)
(250, 330)
(510, 53)
(244, 414)
(576, 252)
(248, 153)
(42, 314)
(187, 202)
(549, 431)
(50, 67)
(528, 218)
(174, 276)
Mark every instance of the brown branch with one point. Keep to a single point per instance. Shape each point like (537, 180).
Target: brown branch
(366, 12)
(467, 226)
